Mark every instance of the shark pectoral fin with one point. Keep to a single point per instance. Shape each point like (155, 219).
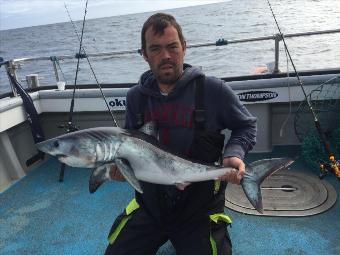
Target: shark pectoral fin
(128, 173)
(98, 177)
(182, 185)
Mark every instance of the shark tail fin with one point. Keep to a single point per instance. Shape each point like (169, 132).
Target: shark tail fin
(255, 174)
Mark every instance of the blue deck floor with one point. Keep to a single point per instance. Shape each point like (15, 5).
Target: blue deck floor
(39, 215)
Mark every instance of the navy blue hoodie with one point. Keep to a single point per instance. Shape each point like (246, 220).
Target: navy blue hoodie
(174, 112)
(169, 206)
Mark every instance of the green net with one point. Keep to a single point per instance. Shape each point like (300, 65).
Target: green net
(313, 151)
(325, 101)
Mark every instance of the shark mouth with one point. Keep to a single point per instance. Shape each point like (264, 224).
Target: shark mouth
(61, 157)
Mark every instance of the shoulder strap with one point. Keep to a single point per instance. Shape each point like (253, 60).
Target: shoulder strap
(199, 113)
(141, 109)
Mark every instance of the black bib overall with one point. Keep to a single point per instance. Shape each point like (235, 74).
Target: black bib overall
(165, 212)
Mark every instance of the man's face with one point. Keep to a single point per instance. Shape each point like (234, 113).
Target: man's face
(165, 55)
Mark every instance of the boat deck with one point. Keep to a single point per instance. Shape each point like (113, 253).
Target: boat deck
(39, 215)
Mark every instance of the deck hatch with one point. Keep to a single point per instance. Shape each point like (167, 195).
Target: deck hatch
(286, 193)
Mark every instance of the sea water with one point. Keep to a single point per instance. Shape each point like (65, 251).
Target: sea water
(230, 20)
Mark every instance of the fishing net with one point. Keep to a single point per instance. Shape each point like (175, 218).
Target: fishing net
(325, 101)
(313, 151)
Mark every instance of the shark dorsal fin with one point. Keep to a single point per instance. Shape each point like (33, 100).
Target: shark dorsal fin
(150, 128)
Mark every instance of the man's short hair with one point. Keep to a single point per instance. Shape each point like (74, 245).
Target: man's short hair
(159, 22)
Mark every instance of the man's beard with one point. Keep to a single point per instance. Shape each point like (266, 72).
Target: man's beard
(168, 78)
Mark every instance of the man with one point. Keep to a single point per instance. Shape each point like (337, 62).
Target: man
(191, 110)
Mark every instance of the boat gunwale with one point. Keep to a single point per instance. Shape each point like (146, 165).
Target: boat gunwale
(256, 77)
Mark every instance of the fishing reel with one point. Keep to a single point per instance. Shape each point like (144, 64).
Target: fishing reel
(70, 127)
(332, 166)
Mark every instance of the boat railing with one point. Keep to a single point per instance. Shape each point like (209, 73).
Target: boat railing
(13, 64)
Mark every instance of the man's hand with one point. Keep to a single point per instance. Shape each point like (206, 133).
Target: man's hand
(233, 176)
(115, 174)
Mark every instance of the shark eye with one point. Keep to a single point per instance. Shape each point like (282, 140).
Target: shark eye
(56, 144)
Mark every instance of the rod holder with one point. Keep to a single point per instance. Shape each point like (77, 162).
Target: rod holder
(32, 80)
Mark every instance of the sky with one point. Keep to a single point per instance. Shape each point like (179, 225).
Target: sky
(26, 13)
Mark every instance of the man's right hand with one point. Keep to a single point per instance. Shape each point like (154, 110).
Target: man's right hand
(234, 176)
(115, 174)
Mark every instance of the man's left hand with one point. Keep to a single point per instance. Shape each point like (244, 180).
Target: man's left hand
(236, 175)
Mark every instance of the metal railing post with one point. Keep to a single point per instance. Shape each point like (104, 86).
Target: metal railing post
(277, 53)
(11, 68)
(55, 70)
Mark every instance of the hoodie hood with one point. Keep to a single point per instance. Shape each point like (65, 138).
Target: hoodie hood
(148, 84)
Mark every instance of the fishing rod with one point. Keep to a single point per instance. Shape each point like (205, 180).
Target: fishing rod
(82, 54)
(334, 166)
(70, 126)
